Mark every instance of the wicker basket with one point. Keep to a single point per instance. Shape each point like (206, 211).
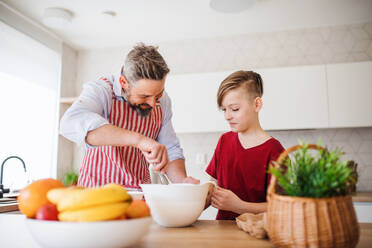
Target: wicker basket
(310, 222)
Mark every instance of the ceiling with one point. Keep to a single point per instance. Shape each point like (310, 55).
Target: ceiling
(175, 20)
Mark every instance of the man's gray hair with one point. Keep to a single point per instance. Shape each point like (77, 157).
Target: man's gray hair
(144, 62)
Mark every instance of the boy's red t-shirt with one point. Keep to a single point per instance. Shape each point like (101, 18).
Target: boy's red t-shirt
(243, 171)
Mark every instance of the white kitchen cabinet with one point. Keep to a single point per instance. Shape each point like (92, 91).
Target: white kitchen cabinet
(350, 94)
(294, 98)
(194, 102)
(363, 211)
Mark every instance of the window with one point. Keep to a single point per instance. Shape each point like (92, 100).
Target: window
(29, 92)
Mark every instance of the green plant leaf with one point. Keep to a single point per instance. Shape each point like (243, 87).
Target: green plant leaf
(320, 175)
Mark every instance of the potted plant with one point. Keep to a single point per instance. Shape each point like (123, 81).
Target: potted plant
(309, 202)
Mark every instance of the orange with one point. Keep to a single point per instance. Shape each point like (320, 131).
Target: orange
(32, 197)
(138, 209)
(121, 217)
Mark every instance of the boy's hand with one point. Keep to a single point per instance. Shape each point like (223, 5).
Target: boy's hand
(225, 199)
(209, 196)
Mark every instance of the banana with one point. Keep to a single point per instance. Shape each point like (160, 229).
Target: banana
(98, 213)
(56, 195)
(75, 198)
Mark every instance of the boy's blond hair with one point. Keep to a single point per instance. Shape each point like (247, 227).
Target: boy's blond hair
(144, 62)
(250, 80)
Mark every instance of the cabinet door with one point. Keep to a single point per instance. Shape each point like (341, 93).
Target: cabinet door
(294, 98)
(194, 102)
(350, 94)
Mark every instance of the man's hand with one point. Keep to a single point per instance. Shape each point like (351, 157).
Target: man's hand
(154, 152)
(225, 199)
(190, 180)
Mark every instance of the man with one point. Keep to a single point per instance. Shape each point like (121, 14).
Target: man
(125, 121)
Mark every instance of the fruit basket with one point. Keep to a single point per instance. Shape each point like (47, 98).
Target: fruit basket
(307, 221)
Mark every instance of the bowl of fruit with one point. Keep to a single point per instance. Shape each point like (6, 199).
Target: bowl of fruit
(106, 216)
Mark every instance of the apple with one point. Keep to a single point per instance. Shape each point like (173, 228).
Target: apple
(47, 212)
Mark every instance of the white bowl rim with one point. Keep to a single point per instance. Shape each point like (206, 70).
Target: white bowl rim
(177, 184)
(85, 222)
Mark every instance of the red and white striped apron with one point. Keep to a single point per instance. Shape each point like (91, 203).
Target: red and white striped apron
(122, 165)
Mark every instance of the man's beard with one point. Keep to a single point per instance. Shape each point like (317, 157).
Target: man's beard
(137, 107)
(143, 112)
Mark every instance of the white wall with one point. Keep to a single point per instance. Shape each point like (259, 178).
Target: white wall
(323, 45)
(68, 88)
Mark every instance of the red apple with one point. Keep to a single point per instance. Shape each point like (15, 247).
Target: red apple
(47, 212)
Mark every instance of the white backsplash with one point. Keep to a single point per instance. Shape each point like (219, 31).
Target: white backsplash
(355, 142)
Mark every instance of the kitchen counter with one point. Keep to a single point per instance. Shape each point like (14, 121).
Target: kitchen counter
(357, 197)
(218, 234)
(8, 204)
(362, 197)
(204, 233)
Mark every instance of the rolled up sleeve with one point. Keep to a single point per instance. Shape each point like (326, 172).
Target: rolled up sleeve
(90, 111)
(167, 135)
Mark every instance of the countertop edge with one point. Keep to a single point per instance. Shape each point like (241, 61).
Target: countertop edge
(362, 197)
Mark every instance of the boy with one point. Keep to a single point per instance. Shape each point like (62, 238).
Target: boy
(242, 156)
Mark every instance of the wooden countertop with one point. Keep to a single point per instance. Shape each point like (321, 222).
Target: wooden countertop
(362, 197)
(204, 233)
(8, 205)
(218, 234)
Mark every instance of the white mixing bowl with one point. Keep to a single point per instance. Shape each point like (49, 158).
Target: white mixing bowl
(136, 195)
(176, 205)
